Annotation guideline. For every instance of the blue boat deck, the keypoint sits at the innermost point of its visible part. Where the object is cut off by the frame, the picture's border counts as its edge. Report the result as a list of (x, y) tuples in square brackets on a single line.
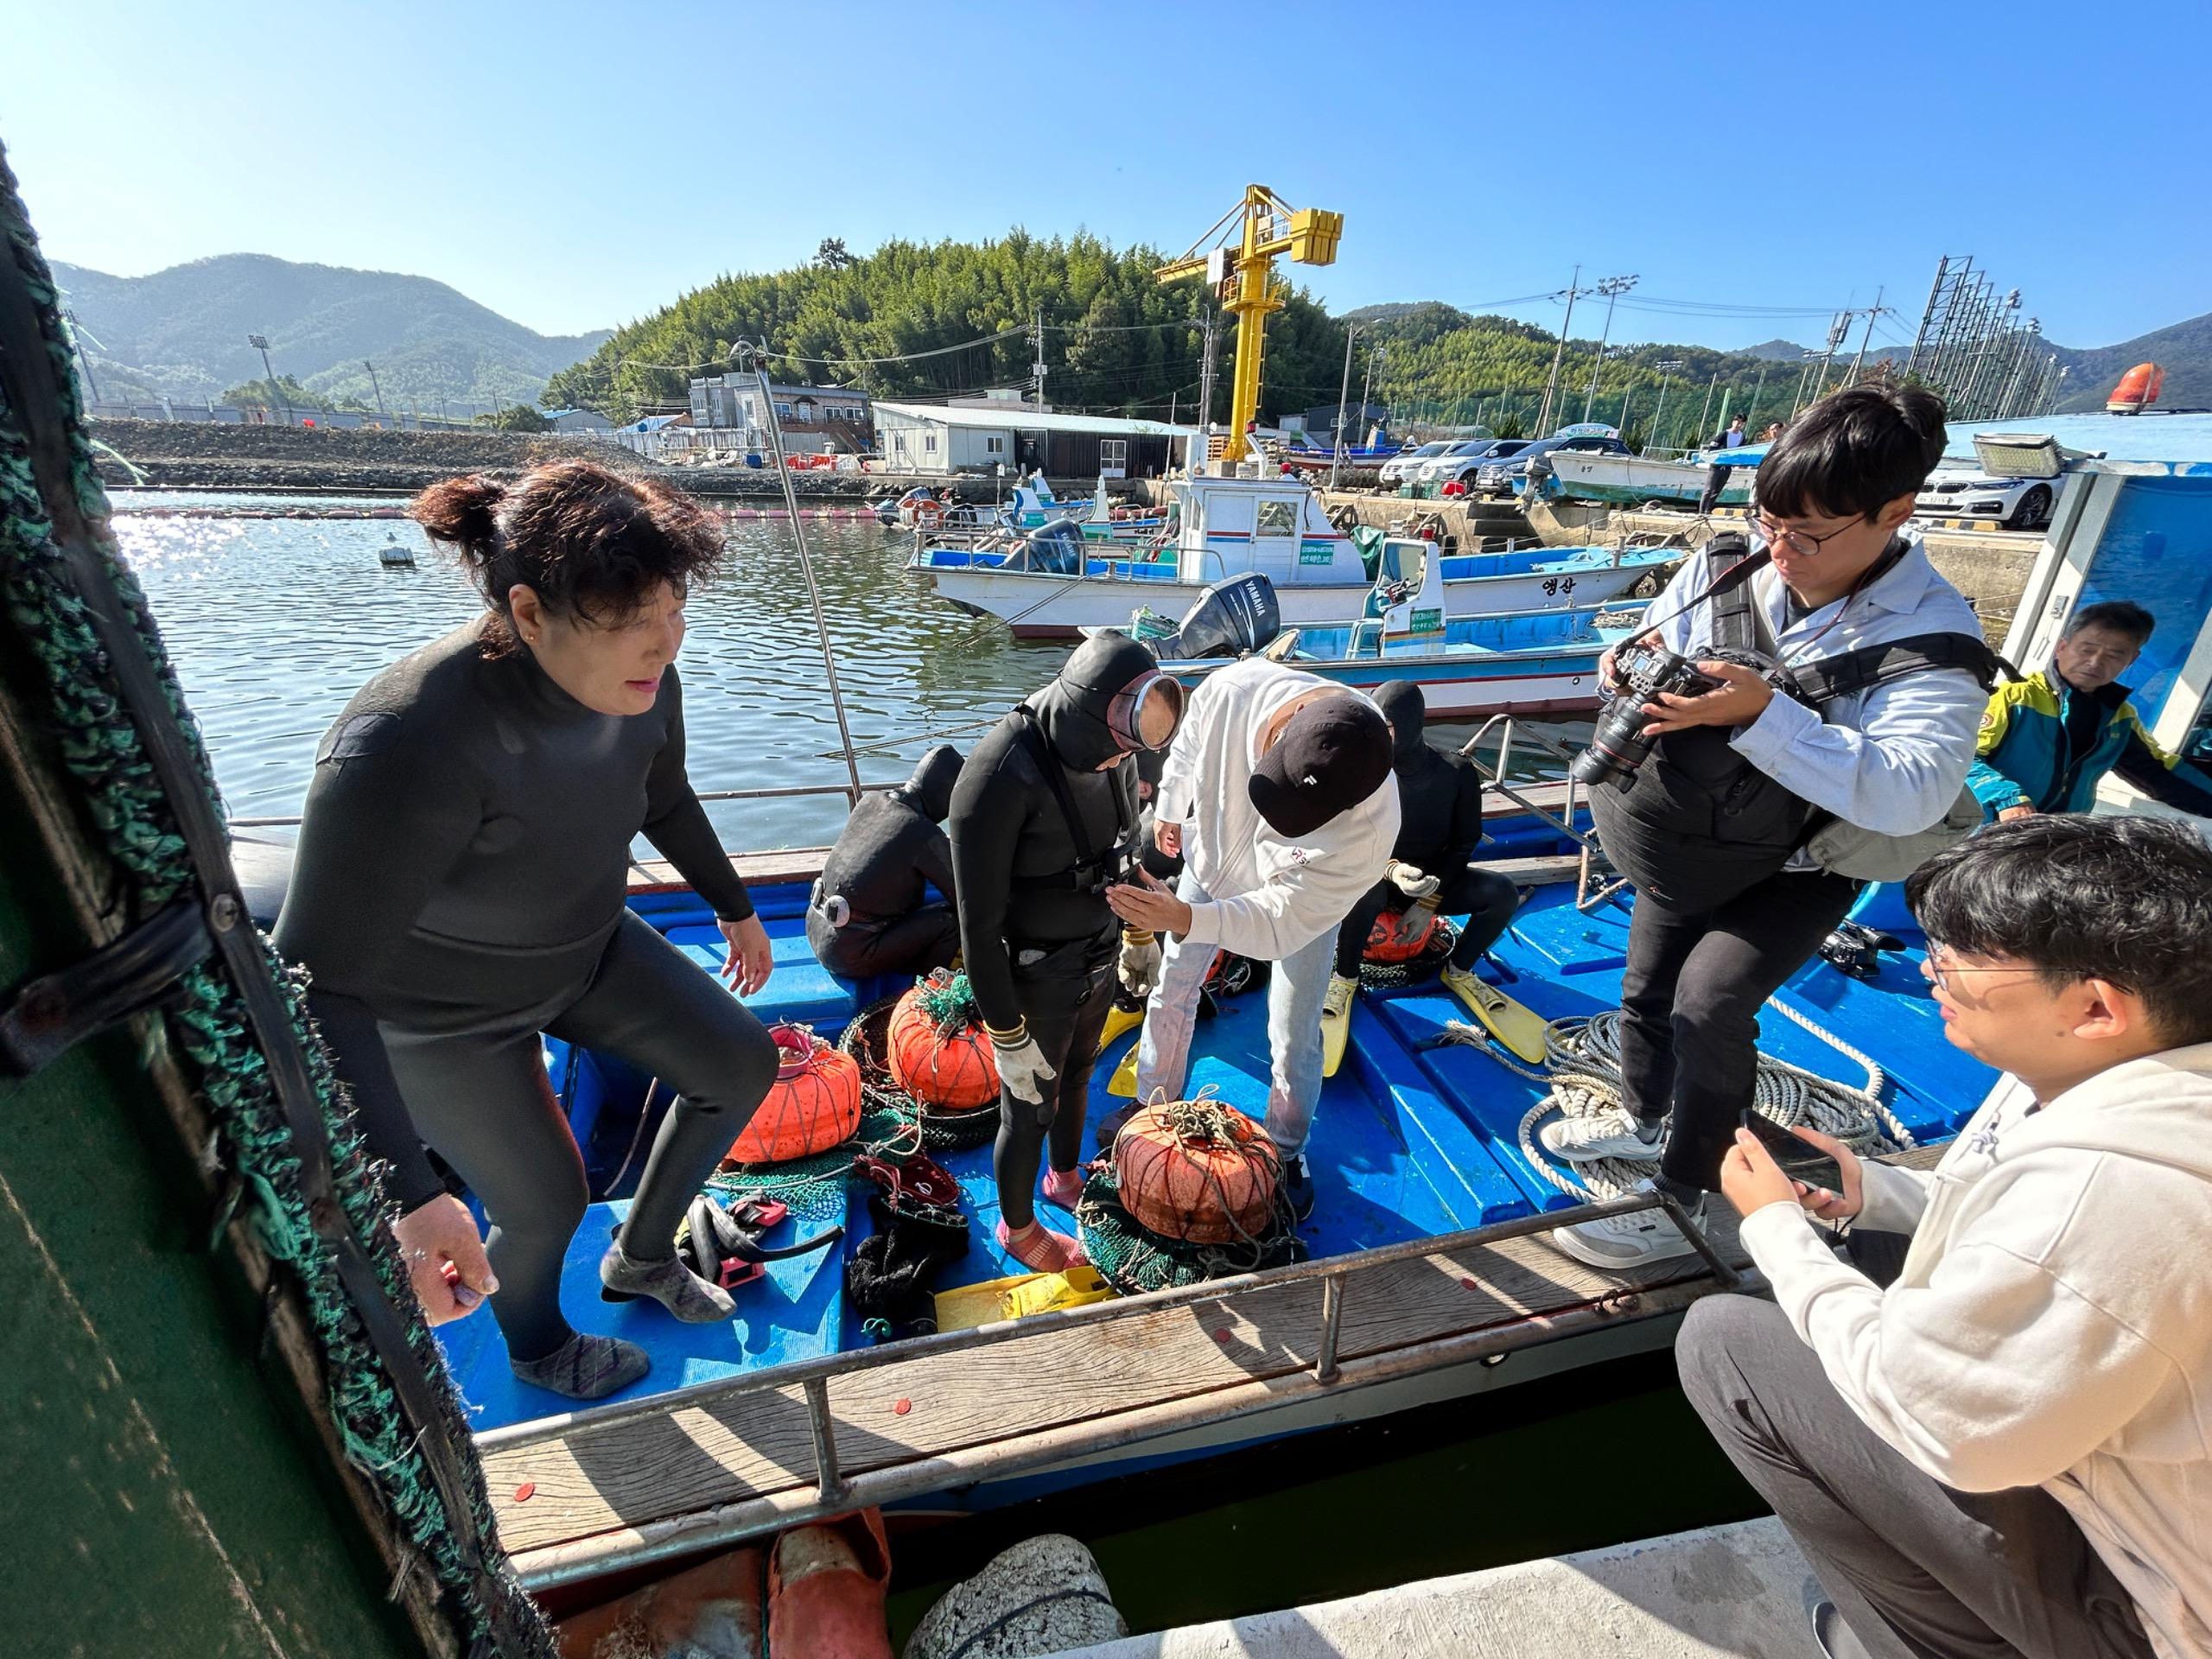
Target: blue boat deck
[(1409, 1141)]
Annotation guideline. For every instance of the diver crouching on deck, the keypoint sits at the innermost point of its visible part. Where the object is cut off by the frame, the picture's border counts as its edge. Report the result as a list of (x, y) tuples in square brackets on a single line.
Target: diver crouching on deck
[(1043, 819), (869, 913), (1278, 793), (1823, 740), (462, 887)]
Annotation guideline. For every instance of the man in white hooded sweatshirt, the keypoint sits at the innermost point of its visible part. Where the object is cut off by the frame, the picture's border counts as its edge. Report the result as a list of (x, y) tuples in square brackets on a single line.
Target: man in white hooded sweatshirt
[(2008, 1450)]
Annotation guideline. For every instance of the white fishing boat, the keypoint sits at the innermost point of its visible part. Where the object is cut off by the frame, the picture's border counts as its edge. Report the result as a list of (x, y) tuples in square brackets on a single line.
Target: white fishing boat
[(1633, 481), (1054, 583)]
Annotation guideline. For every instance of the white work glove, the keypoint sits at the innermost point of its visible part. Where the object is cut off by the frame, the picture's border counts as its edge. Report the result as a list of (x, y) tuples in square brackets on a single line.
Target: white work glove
[(1412, 880), (1139, 968), (1023, 1070)]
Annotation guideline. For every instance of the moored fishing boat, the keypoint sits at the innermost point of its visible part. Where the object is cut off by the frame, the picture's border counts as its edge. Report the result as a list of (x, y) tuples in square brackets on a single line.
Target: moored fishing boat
[(1226, 526), (1631, 480)]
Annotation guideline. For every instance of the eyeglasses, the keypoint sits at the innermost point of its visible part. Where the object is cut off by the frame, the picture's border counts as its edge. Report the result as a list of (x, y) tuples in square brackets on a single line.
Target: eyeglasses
[(1940, 977), (1797, 541)]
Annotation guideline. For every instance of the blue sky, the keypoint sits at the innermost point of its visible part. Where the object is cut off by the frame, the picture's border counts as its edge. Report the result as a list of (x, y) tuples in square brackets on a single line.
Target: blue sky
[(577, 165)]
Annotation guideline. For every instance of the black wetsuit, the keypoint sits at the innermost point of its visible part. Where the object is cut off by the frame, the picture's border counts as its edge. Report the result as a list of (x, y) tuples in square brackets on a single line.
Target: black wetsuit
[(891, 846), (1040, 939), (460, 887), (1441, 820)]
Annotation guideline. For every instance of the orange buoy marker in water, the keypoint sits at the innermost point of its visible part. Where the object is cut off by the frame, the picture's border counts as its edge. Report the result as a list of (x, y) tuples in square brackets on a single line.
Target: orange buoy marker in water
[(938, 1051), (813, 1105), (1197, 1170), (1384, 945)]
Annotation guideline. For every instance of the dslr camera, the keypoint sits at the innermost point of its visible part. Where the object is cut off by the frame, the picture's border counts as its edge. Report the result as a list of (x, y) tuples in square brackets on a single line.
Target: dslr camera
[(1619, 746)]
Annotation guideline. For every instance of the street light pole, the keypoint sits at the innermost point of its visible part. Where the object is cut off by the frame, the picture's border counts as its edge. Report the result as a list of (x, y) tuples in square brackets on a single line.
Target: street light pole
[(374, 387), (1574, 289), (260, 343), (1613, 288)]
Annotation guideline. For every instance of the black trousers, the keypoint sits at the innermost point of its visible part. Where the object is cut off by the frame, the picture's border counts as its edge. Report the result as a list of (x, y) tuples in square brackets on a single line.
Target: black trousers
[(1064, 999), (913, 943), (1716, 479), (481, 1098), (1917, 1571), (1486, 898), (1690, 1000)]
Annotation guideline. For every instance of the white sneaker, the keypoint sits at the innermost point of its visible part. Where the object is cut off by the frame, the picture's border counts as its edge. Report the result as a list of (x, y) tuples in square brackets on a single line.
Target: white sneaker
[(1619, 1243), (1603, 1135)]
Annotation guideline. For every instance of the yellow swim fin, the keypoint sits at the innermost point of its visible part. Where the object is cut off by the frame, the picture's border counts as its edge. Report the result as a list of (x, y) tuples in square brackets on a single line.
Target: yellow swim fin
[(1124, 1081), (1120, 1020), (1336, 1023), (1520, 1028)]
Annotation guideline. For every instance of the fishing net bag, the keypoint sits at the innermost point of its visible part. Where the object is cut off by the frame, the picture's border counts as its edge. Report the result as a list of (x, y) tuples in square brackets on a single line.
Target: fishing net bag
[(920, 1124), (1386, 965)]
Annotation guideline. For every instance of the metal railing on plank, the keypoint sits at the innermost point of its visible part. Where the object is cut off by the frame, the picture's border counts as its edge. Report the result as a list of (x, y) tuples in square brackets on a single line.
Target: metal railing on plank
[(830, 1490)]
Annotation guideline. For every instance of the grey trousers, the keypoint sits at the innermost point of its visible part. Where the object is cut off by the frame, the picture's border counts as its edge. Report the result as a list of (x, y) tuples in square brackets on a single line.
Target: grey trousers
[(1917, 1571)]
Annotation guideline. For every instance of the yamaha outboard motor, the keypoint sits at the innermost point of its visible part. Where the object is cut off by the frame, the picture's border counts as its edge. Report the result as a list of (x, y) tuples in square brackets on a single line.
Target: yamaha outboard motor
[(1231, 618), (1056, 549)]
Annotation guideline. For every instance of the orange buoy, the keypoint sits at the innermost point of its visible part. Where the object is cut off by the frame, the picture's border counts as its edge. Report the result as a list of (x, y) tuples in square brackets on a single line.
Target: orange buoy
[(938, 1051), (1197, 1170), (1383, 944), (2137, 391), (814, 1103)]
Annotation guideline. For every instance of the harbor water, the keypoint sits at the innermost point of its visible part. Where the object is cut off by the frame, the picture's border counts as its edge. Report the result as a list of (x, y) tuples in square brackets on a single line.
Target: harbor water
[(273, 625)]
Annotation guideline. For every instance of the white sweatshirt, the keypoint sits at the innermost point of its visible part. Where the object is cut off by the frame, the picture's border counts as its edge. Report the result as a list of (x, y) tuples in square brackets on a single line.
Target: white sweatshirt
[(2053, 1323), (1268, 897)]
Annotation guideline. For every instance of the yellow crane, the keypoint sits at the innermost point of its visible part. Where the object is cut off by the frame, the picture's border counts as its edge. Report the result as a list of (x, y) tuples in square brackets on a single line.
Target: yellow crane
[(1243, 272)]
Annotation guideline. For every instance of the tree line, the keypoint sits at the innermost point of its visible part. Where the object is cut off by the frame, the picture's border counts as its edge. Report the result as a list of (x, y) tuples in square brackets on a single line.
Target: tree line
[(902, 323)]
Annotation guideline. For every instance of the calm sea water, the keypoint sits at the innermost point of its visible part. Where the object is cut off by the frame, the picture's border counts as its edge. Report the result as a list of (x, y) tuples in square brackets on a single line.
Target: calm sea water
[(274, 624)]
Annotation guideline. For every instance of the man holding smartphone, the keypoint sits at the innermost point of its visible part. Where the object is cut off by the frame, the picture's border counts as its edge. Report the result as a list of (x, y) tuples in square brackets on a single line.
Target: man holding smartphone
[(2008, 1449)]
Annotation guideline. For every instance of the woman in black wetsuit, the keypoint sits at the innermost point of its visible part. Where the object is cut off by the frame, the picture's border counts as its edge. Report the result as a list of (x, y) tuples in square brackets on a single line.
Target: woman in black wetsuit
[(459, 888), (1043, 819)]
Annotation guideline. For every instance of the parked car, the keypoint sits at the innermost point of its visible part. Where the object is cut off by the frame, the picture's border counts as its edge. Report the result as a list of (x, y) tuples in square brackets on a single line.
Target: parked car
[(1399, 468), (1496, 477), (1465, 467), (1442, 465), (1963, 493)]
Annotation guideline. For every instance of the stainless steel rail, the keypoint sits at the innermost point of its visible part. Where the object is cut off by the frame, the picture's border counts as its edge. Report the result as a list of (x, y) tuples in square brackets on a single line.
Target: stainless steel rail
[(832, 1490)]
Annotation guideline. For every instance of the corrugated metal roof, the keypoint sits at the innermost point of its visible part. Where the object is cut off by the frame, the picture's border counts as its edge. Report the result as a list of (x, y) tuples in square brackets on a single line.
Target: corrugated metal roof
[(1017, 417)]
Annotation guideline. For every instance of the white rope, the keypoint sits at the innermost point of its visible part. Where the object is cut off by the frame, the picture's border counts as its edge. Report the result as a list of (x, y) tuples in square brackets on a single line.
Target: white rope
[(1582, 1075)]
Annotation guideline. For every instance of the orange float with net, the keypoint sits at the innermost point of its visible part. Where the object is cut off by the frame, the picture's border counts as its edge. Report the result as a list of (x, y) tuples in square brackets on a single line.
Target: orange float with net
[(1197, 1171), (1383, 944), (814, 1103), (937, 1049)]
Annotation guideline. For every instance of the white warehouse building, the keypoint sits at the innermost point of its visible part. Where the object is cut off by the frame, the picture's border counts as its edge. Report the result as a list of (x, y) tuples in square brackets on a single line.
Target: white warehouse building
[(983, 436)]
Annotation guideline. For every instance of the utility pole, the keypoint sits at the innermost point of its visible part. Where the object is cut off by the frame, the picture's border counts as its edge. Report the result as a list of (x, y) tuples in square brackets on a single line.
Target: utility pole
[(374, 387), (1672, 366), (1037, 367), (260, 343), (1206, 395), (1613, 288), (1837, 330), (1752, 410), (1559, 350), (1336, 448), (1367, 387), (1698, 437), (1872, 312)]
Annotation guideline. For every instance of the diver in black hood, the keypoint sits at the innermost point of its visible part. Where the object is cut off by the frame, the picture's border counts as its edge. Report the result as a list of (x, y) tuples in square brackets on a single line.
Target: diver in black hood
[(1441, 819), (868, 914), (1044, 818)]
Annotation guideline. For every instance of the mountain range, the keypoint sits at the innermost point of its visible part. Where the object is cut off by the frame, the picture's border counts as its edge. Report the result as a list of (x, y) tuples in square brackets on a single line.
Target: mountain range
[(181, 333)]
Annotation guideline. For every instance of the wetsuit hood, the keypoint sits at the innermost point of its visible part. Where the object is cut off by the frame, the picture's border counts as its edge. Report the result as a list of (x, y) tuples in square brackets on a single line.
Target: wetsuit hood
[(1404, 706), (930, 787), (1087, 712)]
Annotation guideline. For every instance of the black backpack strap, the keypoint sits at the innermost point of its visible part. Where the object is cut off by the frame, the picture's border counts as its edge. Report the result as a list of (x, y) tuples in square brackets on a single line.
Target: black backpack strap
[(1854, 672), (1735, 615)]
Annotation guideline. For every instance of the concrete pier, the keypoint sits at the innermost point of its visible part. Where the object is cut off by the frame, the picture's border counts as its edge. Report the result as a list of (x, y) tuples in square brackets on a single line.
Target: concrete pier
[(1740, 1592)]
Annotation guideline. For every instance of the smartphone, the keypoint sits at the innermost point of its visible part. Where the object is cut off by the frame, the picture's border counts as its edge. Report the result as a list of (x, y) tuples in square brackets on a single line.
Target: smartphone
[(1800, 1159)]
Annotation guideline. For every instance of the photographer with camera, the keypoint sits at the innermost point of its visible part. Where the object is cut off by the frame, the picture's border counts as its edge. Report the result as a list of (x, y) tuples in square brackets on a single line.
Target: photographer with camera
[(1800, 719)]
